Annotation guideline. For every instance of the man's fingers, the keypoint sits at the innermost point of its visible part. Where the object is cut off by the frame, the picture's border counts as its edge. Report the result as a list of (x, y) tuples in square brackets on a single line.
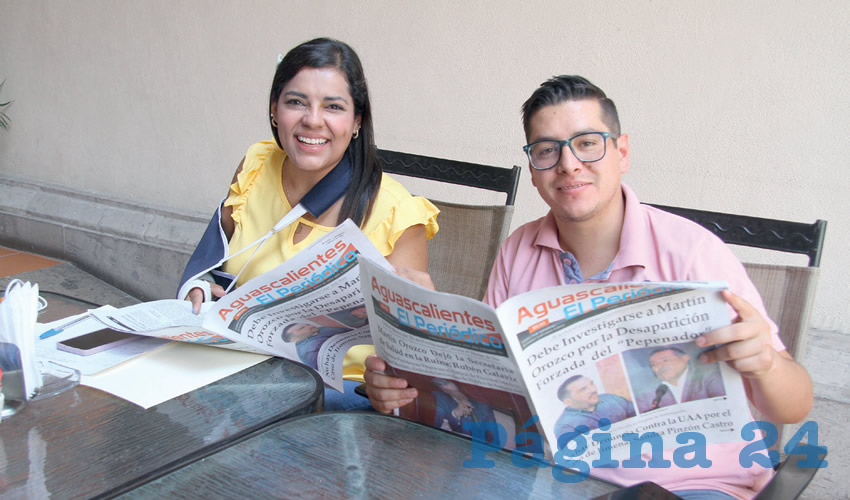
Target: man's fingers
[(744, 309), (720, 336)]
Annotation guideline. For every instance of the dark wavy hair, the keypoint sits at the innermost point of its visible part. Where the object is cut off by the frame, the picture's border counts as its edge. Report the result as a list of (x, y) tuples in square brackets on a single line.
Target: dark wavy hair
[(365, 170), (570, 88)]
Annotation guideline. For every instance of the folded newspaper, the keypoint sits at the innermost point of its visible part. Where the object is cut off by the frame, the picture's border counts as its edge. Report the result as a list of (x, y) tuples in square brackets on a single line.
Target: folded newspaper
[(573, 356), (308, 309)]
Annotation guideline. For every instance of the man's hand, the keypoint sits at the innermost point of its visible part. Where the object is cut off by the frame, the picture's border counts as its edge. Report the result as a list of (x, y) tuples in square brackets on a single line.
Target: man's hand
[(197, 296), (745, 344), (463, 409), (386, 393)]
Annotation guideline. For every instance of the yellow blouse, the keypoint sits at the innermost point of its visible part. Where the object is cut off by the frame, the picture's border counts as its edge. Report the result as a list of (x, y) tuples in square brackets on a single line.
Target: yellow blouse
[(258, 202)]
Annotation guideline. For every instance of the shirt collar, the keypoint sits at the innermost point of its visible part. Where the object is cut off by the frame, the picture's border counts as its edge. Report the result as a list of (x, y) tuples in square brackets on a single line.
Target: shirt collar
[(636, 245), (635, 238), (547, 233)]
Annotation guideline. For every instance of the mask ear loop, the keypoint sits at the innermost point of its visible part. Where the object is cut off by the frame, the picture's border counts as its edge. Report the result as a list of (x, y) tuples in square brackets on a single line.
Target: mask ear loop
[(287, 219), (15, 283)]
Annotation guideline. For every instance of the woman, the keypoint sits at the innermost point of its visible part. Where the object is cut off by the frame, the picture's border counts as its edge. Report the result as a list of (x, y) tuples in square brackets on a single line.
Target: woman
[(319, 111)]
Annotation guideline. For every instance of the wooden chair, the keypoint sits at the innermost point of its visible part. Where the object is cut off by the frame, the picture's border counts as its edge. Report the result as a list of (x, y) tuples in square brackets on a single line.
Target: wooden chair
[(461, 255), (788, 293)]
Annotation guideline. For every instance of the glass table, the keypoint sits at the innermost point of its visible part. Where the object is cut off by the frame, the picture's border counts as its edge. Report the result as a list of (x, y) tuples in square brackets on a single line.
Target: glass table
[(85, 443), (360, 455)]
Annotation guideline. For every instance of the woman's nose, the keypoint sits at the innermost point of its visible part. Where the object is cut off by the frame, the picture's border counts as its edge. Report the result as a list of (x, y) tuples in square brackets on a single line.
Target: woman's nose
[(312, 117)]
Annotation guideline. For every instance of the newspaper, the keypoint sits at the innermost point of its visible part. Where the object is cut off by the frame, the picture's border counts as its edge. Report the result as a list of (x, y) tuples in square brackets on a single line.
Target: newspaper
[(308, 309), (609, 345)]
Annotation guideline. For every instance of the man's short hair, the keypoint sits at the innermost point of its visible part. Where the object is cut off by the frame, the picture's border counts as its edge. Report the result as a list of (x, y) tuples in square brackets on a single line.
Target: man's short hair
[(286, 334), (662, 349), (442, 383), (563, 392), (569, 88)]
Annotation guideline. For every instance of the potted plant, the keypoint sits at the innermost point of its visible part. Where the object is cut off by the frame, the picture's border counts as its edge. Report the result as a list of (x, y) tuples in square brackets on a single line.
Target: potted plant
[(4, 118)]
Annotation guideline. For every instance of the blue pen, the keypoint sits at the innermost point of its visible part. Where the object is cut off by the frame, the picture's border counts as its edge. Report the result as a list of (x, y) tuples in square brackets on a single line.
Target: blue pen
[(61, 328)]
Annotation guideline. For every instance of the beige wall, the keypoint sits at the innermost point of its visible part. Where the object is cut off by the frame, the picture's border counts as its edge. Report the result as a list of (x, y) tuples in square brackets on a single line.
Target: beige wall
[(730, 106)]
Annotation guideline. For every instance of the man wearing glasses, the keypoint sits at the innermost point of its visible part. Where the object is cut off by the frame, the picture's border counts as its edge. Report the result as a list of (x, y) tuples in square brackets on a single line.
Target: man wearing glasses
[(597, 231)]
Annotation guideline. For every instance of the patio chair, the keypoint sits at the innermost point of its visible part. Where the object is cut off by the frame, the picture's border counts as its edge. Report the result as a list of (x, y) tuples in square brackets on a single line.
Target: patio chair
[(788, 293), (461, 254)]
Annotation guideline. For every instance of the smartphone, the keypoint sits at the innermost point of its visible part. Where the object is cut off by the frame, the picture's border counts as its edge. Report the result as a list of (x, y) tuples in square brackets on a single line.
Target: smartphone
[(94, 342)]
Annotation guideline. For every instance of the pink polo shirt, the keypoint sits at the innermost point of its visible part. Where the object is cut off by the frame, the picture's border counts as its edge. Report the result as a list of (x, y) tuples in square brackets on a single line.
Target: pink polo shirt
[(654, 246)]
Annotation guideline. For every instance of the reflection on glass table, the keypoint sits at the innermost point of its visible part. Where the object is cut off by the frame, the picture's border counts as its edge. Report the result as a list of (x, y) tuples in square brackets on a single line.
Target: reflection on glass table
[(361, 455)]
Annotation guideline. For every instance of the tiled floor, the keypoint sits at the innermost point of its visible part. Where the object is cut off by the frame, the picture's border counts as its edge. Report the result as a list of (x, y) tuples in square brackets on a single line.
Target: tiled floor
[(15, 262), (59, 277)]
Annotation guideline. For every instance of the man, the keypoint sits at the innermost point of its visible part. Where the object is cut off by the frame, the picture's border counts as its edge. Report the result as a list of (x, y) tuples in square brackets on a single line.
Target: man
[(597, 231), (353, 318), (455, 408), (680, 381), (585, 406), (309, 339)]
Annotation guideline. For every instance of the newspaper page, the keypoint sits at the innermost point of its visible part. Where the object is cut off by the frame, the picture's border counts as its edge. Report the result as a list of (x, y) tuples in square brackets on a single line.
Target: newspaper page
[(308, 309), (624, 352), (578, 355), (158, 319), (450, 348)]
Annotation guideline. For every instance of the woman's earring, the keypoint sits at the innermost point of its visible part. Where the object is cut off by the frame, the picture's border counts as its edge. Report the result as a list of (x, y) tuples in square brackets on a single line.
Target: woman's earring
[(274, 122), (355, 134)]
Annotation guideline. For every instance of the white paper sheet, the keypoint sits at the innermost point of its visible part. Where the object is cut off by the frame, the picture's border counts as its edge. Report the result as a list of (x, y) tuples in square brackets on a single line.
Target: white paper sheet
[(170, 371)]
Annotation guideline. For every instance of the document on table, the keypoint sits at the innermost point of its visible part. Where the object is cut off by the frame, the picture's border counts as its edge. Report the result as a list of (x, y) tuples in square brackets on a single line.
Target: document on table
[(171, 371)]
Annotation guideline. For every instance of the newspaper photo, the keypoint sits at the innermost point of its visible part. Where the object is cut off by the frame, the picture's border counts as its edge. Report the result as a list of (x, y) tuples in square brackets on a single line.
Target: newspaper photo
[(618, 358), (624, 352), (450, 348), (309, 309)]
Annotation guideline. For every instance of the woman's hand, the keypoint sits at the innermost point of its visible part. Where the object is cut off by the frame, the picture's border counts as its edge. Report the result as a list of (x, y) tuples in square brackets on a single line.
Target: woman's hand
[(410, 256), (419, 277), (196, 296), (386, 393)]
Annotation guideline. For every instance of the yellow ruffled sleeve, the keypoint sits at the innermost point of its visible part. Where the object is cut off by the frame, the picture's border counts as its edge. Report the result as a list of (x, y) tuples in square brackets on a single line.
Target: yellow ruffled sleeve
[(409, 211), (246, 179)]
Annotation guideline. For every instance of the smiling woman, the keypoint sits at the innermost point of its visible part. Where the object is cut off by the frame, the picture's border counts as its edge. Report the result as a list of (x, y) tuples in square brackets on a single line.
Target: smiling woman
[(319, 112)]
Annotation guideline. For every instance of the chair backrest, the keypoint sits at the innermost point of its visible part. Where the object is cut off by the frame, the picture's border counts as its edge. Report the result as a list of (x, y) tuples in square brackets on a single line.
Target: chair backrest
[(770, 234), (787, 291), (461, 254)]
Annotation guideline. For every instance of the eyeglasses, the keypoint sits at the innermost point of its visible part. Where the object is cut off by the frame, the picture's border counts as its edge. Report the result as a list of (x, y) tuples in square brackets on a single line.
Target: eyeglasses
[(587, 147)]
